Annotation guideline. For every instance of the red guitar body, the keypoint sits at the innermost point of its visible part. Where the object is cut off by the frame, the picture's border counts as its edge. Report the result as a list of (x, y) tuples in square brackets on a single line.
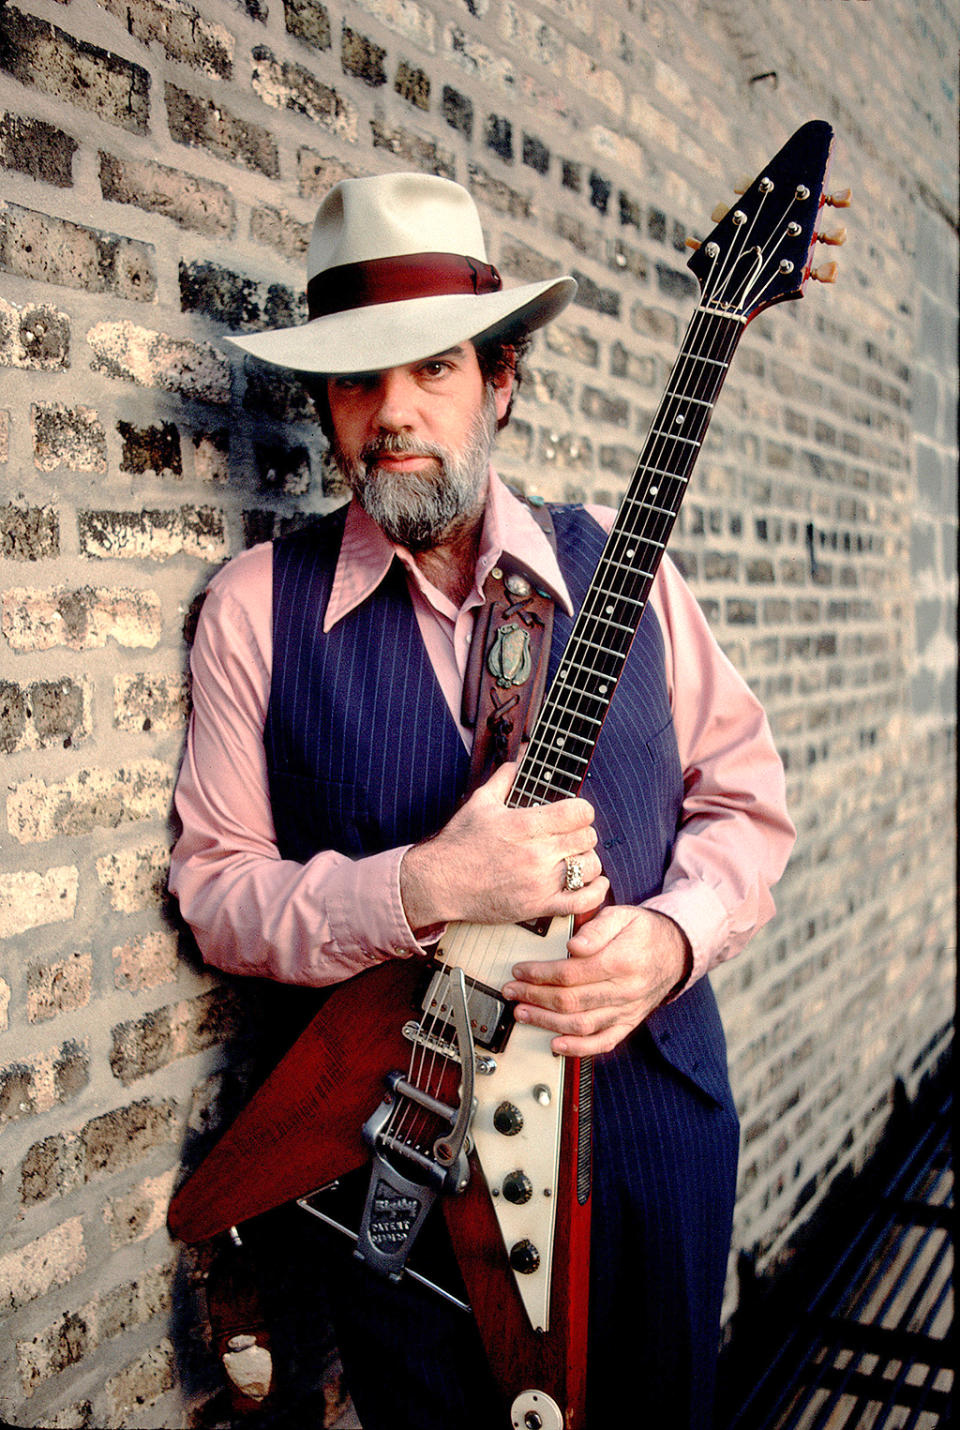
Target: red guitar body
[(302, 1130)]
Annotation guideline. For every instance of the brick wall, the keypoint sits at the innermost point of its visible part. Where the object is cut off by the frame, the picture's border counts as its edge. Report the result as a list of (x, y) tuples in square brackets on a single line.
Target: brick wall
[(159, 168)]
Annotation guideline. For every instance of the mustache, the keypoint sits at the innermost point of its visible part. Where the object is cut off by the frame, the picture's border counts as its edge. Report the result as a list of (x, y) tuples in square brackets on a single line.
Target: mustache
[(399, 444)]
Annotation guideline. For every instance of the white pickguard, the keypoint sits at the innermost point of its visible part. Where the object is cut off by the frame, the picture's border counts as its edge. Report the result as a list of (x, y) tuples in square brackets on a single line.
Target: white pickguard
[(530, 1077)]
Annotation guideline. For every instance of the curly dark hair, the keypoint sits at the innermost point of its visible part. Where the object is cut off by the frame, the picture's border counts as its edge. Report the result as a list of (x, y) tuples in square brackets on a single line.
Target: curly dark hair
[(497, 353)]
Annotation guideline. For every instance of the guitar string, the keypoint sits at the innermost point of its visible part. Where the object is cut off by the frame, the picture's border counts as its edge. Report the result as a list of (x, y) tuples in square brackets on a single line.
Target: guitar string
[(637, 498), (654, 459), (661, 522)]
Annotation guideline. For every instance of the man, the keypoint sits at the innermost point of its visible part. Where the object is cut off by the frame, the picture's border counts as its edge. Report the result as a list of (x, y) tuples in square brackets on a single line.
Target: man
[(323, 829)]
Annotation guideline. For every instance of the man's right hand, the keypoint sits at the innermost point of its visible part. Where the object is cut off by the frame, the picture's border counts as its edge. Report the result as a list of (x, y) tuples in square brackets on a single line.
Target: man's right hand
[(491, 864)]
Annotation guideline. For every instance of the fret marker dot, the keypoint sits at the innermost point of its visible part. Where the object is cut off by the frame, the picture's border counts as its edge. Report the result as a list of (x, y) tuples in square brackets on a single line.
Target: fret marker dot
[(559, 740), (653, 491), (602, 689), (679, 418), (631, 551), (609, 611)]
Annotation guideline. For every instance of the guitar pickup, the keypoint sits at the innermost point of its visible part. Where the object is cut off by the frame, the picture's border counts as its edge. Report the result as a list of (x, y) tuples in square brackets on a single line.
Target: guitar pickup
[(491, 1017)]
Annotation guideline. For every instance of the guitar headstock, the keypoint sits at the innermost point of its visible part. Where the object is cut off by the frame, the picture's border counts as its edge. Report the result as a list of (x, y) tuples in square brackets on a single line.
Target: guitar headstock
[(761, 250)]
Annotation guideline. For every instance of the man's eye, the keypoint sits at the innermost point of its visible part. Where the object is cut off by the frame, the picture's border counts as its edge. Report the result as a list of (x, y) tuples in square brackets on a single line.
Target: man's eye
[(435, 369), (351, 381)]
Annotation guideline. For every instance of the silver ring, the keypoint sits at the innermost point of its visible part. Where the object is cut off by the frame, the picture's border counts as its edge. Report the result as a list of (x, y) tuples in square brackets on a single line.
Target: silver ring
[(573, 877)]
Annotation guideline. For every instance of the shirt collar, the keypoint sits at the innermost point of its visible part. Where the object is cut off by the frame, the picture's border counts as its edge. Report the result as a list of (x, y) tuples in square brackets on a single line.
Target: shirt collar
[(509, 530)]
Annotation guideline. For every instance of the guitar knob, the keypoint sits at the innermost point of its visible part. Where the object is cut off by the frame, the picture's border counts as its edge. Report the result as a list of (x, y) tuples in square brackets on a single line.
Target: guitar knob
[(826, 273), (720, 212), (842, 199), (524, 1257), (517, 1188), (508, 1119), (834, 239)]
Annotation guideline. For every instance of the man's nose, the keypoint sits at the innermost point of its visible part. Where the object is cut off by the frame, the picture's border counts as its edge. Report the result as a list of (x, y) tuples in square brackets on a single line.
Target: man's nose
[(395, 407)]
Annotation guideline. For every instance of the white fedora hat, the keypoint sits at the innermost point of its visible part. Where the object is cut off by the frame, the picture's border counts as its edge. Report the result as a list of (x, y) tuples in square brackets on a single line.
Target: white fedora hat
[(397, 271)]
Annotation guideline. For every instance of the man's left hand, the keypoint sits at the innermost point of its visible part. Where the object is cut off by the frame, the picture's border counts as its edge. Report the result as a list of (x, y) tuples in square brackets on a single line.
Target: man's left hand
[(623, 963)]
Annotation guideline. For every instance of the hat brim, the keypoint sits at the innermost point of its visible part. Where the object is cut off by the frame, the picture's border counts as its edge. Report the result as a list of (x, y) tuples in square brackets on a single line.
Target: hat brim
[(391, 334)]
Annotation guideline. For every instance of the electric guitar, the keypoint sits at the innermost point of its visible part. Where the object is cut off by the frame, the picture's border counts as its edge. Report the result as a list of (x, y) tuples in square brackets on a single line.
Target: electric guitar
[(422, 1075)]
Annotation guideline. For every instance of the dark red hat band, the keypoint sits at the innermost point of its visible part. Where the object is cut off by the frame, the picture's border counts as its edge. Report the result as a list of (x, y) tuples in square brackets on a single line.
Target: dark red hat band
[(390, 280)]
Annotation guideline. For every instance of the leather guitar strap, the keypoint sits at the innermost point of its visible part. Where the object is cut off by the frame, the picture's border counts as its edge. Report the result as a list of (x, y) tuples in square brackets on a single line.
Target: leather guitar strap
[(507, 670)]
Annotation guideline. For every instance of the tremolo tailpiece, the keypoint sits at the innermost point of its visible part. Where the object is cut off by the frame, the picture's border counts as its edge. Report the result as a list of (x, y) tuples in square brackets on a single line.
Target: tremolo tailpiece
[(397, 1204)]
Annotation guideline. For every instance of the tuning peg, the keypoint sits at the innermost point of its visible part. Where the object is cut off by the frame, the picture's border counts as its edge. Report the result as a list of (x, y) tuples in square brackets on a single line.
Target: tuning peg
[(720, 212), (742, 184), (694, 243), (842, 199), (834, 239), (826, 273)]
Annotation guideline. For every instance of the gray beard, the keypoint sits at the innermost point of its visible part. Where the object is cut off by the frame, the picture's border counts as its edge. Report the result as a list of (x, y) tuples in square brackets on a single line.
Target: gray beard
[(419, 509)]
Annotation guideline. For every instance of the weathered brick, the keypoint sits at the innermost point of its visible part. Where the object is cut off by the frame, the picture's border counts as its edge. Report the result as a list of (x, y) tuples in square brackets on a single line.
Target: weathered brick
[(52, 250), (147, 962), (51, 1168), (33, 147), (83, 619), (413, 85), (149, 702), (527, 34), (4, 1004), (142, 1045), (457, 110), (602, 407), (280, 230), (35, 337), (594, 296), (190, 202), (654, 323), (228, 297), (157, 535), (56, 1348), (283, 85), (497, 195), (316, 173), (211, 456), (117, 1139), (150, 449), (135, 878), (29, 899), (201, 124), (182, 31), (638, 368), (141, 1383), (415, 22), (68, 437), (282, 468), (136, 1214), (29, 533), (51, 1260), (309, 21), (414, 149), (38, 810), (594, 80), (150, 359), (58, 987), (362, 57), (36, 1084), (498, 136), (37, 53)]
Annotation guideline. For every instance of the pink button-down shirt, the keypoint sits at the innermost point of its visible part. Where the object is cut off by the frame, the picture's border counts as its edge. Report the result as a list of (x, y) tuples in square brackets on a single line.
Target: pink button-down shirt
[(323, 921)]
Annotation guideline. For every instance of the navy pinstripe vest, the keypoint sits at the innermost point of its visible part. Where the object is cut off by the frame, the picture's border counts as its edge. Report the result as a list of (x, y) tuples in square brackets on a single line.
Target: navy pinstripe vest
[(363, 754)]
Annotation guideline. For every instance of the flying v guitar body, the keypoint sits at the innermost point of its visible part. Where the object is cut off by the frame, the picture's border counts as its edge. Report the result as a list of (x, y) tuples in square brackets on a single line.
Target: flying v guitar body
[(520, 1228)]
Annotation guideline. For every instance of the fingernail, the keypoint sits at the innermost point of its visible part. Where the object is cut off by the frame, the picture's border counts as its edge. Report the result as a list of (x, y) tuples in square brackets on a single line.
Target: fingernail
[(511, 991)]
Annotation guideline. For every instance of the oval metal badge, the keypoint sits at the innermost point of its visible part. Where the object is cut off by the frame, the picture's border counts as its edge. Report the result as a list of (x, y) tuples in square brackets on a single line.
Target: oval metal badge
[(509, 661)]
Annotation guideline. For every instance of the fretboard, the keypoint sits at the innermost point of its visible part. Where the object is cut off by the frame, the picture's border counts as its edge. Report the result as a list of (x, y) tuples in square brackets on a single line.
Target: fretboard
[(565, 733)]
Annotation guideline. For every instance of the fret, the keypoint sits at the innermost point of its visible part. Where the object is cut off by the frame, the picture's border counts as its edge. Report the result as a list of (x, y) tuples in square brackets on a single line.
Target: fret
[(660, 472), (596, 645), (626, 566), (698, 357), (647, 506), (684, 397), (589, 719), (603, 619), (674, 436)]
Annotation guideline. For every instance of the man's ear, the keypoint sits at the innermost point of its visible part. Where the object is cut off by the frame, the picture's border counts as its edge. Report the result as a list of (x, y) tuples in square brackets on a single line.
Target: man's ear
[(503, 384)]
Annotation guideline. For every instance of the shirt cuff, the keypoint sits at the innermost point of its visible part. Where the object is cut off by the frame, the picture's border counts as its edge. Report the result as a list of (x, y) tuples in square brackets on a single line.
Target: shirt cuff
[(700, 912), (366, 915)]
